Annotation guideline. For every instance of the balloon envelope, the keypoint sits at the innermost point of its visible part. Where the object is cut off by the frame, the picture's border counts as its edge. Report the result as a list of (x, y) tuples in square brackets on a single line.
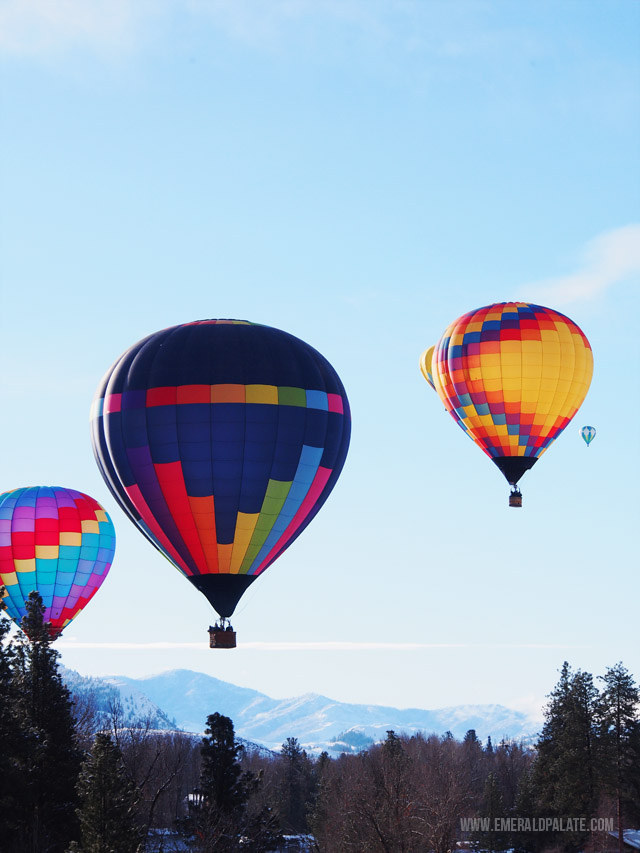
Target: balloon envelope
[(58, 542), (425, 365), (513, 374), (221, 439), (588, 433)]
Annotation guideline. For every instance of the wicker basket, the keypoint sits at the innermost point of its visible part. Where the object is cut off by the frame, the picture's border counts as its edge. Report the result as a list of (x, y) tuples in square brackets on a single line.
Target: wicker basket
[(515, 498), (219, 639)]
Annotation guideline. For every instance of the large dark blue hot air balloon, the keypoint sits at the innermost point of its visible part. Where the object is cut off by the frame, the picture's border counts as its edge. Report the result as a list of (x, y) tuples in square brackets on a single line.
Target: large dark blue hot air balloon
[(221, 439)]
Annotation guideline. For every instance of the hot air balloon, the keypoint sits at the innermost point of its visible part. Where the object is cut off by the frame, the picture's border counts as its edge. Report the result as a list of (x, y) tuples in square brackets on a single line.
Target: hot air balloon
[(588, 433), (221, 440), (425, 365), (512, 374), (58, 542)]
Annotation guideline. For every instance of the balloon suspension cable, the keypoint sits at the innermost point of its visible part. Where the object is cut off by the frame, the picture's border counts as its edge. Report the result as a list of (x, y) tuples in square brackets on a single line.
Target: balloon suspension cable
[(222, 635)]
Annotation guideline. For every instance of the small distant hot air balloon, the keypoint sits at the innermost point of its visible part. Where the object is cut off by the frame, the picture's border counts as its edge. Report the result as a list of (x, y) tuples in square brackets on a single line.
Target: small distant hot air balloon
[(58, 542), (513, 375), (221, 440), (588, 433)]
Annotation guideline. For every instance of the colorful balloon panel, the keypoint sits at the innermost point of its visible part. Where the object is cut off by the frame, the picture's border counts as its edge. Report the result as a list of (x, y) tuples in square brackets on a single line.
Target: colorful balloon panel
[(513, 374), (56, 541), (221, 439), (588, 433)]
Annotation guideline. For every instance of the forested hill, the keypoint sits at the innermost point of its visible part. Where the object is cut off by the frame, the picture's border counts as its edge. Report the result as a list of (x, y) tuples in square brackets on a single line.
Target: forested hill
[(183, 699)]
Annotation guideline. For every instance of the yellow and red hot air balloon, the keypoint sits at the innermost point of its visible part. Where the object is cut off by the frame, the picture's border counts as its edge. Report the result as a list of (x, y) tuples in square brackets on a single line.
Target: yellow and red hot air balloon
[(512, 375)]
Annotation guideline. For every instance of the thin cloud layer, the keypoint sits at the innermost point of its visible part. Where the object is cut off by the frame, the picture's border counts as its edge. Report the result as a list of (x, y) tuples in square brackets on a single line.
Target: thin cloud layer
[(41, 28), (46, 27), (330, 646), (610, 259)]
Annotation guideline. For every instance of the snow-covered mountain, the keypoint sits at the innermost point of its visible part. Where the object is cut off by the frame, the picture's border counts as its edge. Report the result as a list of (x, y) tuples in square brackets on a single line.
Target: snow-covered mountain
[(127, 703), (117, 703), (184, 699)]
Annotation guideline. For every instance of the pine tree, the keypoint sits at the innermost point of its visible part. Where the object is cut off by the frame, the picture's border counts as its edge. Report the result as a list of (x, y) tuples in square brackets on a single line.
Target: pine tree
[(294, 789), (620, 743), (222, 781), (318, 813), (222, 818), (492, 809), (473, 756), (108, 797), (49, 760), (526, 806), (565, 770), (11, 734)]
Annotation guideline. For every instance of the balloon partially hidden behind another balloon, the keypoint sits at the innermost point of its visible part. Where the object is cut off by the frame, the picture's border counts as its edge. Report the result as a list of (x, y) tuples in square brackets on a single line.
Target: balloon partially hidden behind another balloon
[(425, 365)]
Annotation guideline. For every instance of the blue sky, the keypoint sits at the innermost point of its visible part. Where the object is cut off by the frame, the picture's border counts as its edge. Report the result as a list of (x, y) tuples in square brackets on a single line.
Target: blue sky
[(358, 173)]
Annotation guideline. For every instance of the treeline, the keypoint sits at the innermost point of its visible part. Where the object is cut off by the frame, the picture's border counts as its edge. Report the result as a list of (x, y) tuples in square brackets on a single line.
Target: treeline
[(77, 779)]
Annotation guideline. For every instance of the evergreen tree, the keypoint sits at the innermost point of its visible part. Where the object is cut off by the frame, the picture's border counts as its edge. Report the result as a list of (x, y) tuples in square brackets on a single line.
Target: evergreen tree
[(222, 821), (222, 782), (11, 733), (526, 806), (49, 760), (296, 793), (620, 743), (107, 815), (473, 759), (565, 770), (492, 839), (322, 763), (317, 813)]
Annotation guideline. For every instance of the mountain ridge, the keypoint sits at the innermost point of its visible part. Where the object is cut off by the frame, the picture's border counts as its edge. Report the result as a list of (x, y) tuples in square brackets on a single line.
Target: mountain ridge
[(318, 722)]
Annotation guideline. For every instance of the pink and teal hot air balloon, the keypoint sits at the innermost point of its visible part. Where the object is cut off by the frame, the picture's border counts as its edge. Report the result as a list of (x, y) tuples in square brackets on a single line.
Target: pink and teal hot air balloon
[(58, 542)]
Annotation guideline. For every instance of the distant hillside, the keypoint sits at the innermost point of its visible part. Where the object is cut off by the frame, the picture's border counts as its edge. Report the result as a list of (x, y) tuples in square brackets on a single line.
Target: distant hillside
[(133, 705), (135, 708), (183, 699)]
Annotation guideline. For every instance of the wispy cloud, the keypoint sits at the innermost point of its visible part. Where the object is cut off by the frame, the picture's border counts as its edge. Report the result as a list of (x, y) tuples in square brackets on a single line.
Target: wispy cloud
[(263, 21), (321, 646), (609, 259), (42, 27), (36, 27)]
